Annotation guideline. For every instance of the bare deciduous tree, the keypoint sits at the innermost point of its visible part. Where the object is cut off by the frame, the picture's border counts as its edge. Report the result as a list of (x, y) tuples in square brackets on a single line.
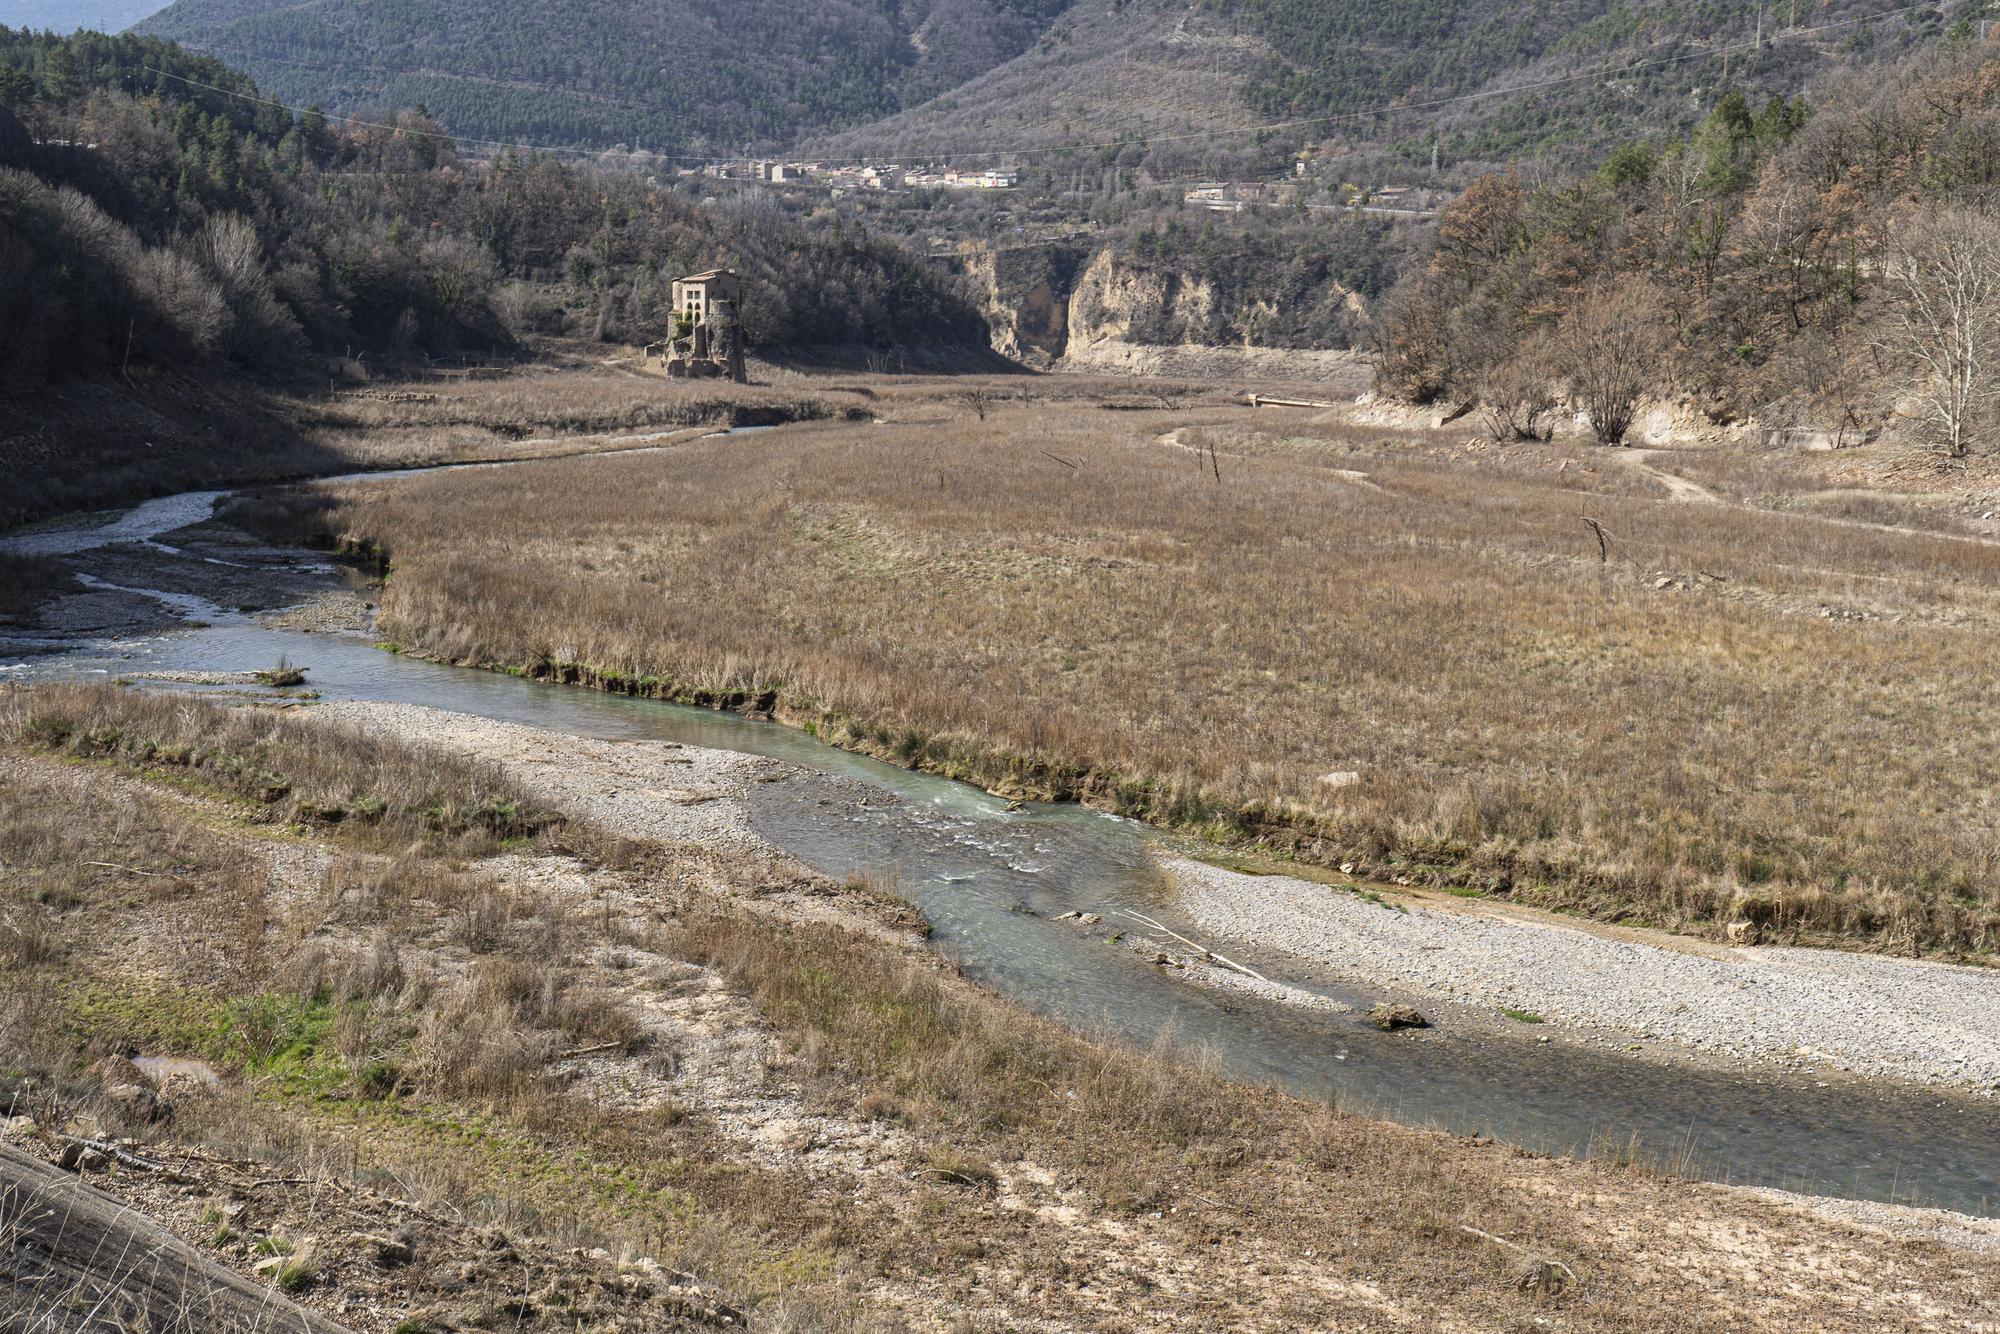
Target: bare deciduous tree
[(1943, 274), (1517, 397), (1413, 344), (261, 329), (1610, 346)]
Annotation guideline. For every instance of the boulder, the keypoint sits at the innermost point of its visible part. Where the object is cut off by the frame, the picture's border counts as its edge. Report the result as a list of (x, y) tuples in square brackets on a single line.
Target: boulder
[(1744, 932), (1388, 1016), (136, 1105)]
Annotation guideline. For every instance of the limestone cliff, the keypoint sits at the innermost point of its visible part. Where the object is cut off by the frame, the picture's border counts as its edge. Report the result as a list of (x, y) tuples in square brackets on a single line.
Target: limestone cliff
[(1091, 308)]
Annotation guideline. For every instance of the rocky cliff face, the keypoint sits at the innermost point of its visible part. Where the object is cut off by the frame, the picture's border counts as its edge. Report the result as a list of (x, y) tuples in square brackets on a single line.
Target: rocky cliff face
[(1078, 308), (1025, 293)]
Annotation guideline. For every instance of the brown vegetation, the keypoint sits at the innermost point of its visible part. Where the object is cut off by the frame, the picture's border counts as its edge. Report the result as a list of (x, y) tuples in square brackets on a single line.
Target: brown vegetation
[(281, 770), (1810, 265), (1737, 713), (540, 1068)]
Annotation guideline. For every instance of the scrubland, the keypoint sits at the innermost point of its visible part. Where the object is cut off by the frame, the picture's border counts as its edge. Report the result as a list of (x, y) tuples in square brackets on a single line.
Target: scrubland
[(510, 1039), (1402, 653), (88, 446), (537, 410)]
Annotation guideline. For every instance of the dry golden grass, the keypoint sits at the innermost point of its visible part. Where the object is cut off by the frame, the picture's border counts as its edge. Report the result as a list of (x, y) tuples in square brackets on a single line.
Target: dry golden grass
[(1738, 713), (363, 1038), (282, 770)]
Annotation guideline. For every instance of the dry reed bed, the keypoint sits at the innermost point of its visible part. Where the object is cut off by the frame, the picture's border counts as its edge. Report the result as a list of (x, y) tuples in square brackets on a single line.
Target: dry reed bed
[(394, 1020), (1114, 623), (281, 769)]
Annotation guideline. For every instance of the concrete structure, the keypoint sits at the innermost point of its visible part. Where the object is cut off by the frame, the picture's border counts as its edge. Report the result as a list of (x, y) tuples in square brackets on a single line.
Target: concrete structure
[(709, 307)]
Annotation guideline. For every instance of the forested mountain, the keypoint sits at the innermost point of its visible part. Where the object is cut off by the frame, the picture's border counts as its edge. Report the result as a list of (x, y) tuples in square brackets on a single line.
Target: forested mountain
[(154, 210), (1184, 86), (926, 77), (685, 76), (70, 15), (1338, 57)]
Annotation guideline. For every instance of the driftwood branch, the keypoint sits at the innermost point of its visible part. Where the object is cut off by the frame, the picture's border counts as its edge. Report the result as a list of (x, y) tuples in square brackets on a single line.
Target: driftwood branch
[(1058, 458), (1538, 1259), (110, 1150), (1603, 540), (1206, 952), (129, 870), (598, 1050)]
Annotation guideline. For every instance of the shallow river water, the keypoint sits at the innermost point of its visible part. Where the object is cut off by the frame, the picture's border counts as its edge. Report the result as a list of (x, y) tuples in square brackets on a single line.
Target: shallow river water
[(993, 880)]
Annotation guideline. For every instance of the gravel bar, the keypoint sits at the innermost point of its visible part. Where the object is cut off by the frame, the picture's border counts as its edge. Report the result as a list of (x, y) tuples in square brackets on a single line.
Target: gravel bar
[(1927, 1023)]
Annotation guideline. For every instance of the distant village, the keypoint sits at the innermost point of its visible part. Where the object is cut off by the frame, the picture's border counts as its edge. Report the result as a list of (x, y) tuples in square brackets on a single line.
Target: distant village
[(1215, 196), (854, 176)]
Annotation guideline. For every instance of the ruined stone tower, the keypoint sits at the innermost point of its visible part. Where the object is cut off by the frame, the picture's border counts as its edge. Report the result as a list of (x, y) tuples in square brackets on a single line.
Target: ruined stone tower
[(710, 306)]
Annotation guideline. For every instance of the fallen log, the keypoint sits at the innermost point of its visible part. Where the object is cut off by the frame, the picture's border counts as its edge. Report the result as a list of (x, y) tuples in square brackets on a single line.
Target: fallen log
[(1264, 401), (73, 1258)]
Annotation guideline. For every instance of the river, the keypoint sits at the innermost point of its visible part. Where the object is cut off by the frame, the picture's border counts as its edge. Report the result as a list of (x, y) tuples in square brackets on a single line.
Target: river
[(993, 880)]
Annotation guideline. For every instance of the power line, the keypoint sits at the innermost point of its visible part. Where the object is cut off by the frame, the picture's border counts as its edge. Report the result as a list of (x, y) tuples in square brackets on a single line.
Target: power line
[(1302, 122)]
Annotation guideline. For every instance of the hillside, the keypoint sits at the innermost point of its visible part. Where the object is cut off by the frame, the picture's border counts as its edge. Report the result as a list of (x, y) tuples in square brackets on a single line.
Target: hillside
[(172, 242), (1781, 265), (669, 75), (1106, 72), (1157, 76)]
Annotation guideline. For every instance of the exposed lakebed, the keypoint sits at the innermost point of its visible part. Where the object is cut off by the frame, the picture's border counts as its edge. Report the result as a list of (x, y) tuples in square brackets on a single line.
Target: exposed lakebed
[(994, 880)]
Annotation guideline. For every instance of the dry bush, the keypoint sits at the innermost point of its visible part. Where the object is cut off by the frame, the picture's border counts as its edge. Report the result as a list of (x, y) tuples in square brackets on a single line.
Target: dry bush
[(28, 938), (492, 1037), (465, 1047), (1517, 398), (1609, 347), (345, 973), (26, 580)]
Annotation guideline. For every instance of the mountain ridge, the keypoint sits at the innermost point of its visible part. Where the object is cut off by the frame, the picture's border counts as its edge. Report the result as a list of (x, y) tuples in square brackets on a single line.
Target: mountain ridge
[(1483, 80)]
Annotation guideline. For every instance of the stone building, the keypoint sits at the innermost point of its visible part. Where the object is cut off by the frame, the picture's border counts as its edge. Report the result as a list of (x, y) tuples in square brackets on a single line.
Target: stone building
[(708, 307)]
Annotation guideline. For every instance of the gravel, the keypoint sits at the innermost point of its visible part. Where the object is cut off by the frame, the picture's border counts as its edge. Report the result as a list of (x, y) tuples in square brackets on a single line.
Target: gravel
[(1923, 1022), (641, 789), (1960, 1231)]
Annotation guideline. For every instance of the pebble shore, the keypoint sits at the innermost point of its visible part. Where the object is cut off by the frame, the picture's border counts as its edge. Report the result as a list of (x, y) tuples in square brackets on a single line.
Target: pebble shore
[(1814, 1010)]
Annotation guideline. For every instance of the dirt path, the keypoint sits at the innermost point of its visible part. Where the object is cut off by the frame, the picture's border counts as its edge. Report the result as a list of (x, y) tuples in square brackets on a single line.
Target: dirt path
[(1677, 488), (1681, 490)]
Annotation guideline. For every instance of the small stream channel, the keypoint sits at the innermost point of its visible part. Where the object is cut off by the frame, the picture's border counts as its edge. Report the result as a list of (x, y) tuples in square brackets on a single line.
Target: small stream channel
[(993, 880)]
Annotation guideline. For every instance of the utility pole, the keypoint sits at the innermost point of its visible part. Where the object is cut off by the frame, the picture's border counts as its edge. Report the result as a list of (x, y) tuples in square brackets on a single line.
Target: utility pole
[(1434, 151)]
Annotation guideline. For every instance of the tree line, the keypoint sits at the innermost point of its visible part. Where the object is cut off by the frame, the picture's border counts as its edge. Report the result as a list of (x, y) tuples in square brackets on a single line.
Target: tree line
[(152, 211), (1796, 264)]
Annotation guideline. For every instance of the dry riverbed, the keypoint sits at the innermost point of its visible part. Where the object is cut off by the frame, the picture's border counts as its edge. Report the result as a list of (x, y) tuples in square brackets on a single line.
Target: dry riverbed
[(1817, 1011), (803, 1116)]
